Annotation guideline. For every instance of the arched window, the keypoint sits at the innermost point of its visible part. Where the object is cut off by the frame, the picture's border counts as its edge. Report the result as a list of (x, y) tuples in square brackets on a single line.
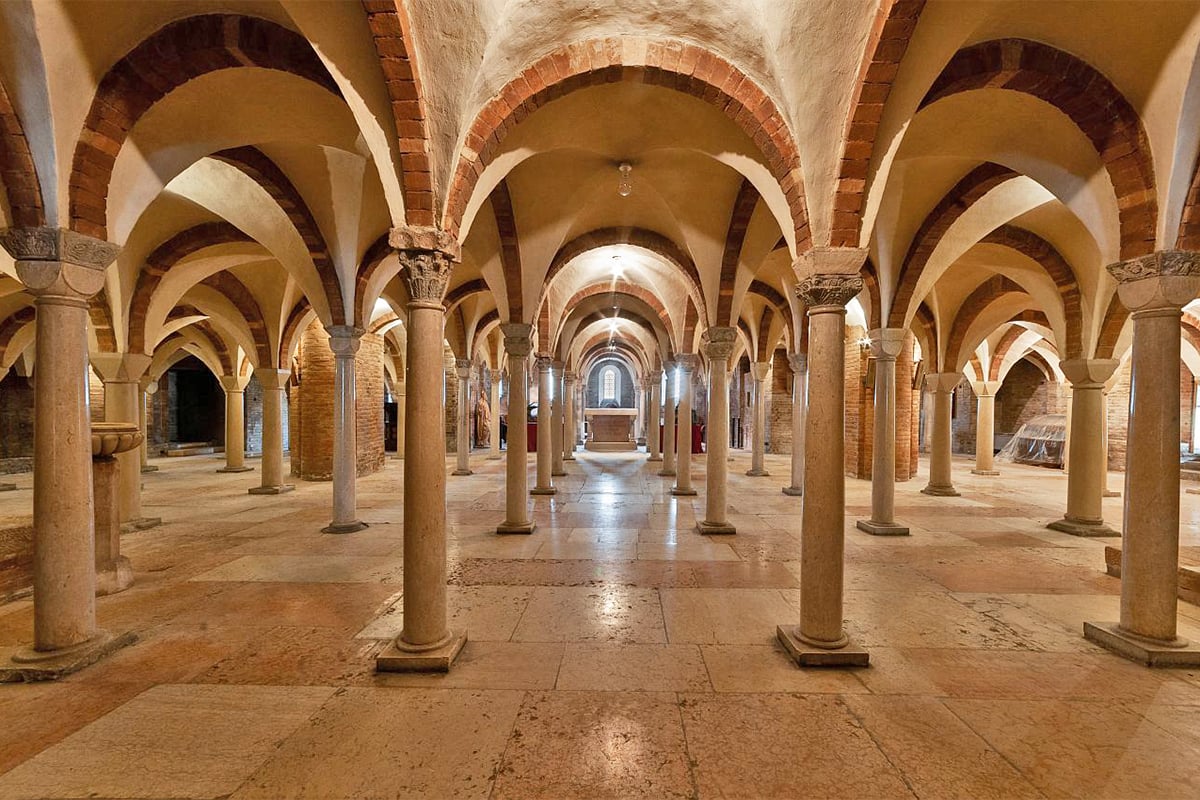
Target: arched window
[(609, 384)]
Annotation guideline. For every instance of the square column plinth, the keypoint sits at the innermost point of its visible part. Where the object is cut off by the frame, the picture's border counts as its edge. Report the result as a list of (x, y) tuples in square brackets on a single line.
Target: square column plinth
[(809, 655), (1144, 651), (32, 665), (437, 659)]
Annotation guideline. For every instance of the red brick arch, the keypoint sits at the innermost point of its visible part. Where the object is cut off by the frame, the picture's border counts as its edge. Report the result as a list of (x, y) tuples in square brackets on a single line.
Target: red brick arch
[(668, 63), (11, 326), (18, 170), (372, 262), (765, 348), (510, 251), (991, 291), (780, 304), (625, 288), (291, 330), (739, 222), (175, 54), (236, 293), (205, 330), (390, 32), (633, 351), (895, 21), (1115, 317), (1002, 347), (461, 292), (1092, 102)]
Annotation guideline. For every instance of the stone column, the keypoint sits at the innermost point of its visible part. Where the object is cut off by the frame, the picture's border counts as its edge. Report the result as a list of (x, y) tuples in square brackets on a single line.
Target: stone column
[(557, 421), (942, 386), (462, 368), (718, 346), (273, 382), (799, 365), (668, 433), (344, 341), (121, 373), (148, 388), (985, 426), (517, 344), (426, 643), (61, 269), (401, 395), (545, 439), (1106, 491), (494, 434), (758, 443), (683, 424), (653, 437), (569, 381), (1085, 482), (235, 423), (819, 639), (886, 345), (1154, 288), (114, 573)]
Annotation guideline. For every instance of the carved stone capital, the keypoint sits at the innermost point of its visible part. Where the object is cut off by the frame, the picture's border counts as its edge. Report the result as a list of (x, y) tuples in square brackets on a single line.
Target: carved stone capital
[(828, 291), (718, 343), (687, 363), (570, 378), (1088, 373), (544, 364), (120, 367), (344, 340), (759, 370), (518, 338), (887, 343), (56, 262), (830, 261), (798, 363), (462, 368), (1164, 279), (940, 382), (427, 256)]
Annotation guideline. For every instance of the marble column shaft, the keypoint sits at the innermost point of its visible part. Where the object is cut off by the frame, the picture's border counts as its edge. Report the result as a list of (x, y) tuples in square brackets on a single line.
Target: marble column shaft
[(146, 389), (683, 426), (570, 379), (654, 434), (344, 341), (886, 345), (668, 455), (545, 424), (942, 386), (1085, 481), (494, 433), (462, 368), (799, 365), (517, 344), (557, 420), (758, 443), (985, 426), (235, 424), (273, 382), (718, 346)]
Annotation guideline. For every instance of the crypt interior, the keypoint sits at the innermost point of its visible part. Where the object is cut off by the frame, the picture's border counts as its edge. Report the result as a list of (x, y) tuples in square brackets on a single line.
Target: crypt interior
[(630, 399)]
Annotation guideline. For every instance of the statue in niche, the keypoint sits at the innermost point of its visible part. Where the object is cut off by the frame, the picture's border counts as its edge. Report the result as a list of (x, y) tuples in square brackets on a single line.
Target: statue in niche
[(483, 422)]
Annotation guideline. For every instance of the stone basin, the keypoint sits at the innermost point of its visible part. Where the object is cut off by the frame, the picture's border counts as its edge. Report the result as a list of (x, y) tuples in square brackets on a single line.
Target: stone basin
[(110, 438)]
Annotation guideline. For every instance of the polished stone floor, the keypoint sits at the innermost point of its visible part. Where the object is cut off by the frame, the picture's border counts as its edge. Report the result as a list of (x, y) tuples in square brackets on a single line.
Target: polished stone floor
[(615, 653)]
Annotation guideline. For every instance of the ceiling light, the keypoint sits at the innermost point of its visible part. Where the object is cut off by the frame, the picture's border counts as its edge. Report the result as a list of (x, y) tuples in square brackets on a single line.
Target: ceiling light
[(625, 184)]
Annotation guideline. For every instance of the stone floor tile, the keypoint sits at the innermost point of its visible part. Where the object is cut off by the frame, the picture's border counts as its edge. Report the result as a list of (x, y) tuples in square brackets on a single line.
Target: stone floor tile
[(488, 665), (767, 668), (592, 614), (725, 616), (633, 668), (486, 613), (308, 569)]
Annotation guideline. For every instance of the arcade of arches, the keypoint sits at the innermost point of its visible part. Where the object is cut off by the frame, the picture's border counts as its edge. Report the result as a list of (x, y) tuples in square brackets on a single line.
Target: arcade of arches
[(556, 398)]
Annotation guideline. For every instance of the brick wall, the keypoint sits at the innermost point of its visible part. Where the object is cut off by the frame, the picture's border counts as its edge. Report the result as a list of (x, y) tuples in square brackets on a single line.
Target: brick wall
[(16, 423), (312, 400), (1025, 394), (95, 396), (779, 405), (254, 418), (963, 424), (860, 408), (626, 392), (451, 374)]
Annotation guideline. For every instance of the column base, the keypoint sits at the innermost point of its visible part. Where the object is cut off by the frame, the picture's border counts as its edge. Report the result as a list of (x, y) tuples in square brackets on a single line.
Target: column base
[(149, 468), (1150, 652), (543, 490), (654, 458), (519, 529), (32, 665), (1076, 528), (807, 654), (140, 524), (345, 527), (758, 473), (677, 492), (462, 472), (881, 528), (940, 491), (115, 579), (715, 528), (666, 473), (397, 658), (794, 491), (985, 472), (8, 487), (231, 469), (281, 489)]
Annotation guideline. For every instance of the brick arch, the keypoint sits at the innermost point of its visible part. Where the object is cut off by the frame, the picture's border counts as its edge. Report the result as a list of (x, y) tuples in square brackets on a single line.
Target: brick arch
[(870, 276), (101, 316), (625, 288), (925, 330), (989, 292), (597, 343), (205, 330), (1038, 360), (266, 173), (162, 259), (21, 184), (1035, 247), (1189, 223), (895, 21), (461, 292), (634, 237), (764, 332), (968, 191), (390, 32), (1092, 102), (175, 54), (777, 300), (1190, 330), (739, 222), (597, 316), (11, 326), (1115, 317), (669, 63), (368, 268), (510, 251), (291, 330), (1002, 347), (236, 293)]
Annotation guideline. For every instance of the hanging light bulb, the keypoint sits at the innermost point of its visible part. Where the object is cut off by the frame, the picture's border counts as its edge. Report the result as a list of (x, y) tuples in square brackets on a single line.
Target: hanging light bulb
[(625, 184)]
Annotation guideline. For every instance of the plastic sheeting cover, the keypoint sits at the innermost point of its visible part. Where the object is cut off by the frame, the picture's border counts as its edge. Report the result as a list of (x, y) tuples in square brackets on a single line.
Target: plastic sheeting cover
[(1040, 441)]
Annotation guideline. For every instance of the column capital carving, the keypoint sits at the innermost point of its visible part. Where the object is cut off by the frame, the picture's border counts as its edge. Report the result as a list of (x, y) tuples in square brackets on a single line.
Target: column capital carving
[(830, 261), (828, 292), (559, 366), (462, 368), (344, 340), (570, 377), (718, 343), (687, 362), (942, 382), (1161, 280), (518, 339), (56, 262), (1088, 373), (887, 343), (427, 256), (544, 364), (798, 362), (759, 370)]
